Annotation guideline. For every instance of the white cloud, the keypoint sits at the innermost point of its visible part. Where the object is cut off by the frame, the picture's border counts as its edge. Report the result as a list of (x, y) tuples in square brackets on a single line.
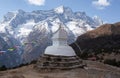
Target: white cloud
[(101, 4), (36, 2)]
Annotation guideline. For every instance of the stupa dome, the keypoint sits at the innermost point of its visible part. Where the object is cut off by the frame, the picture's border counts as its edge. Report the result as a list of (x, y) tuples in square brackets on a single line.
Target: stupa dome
[(60, 46)]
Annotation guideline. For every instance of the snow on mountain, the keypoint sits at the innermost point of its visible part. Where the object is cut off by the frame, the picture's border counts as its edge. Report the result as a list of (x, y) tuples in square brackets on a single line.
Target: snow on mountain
[(23, 30), (33, 29), (78, 27), (97, 20), (18, 22), (2, 28), (59, 9)]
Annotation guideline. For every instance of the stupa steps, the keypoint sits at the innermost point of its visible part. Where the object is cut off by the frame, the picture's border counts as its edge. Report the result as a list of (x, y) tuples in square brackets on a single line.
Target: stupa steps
[(62, 62), (53, 67), (59, 62), (54, 56), (49, 57)]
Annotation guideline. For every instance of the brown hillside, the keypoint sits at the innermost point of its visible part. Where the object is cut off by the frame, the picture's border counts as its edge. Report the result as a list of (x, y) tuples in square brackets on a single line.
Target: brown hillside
[(105, 39), (104, 30)]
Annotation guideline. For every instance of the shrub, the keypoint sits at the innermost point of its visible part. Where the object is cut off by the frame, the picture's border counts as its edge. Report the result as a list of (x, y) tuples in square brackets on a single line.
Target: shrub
[(3, 68), (111, 62)]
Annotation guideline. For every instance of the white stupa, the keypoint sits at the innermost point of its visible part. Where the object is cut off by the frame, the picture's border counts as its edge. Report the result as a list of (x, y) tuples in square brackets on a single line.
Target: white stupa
[(59, 55), (60, 46)]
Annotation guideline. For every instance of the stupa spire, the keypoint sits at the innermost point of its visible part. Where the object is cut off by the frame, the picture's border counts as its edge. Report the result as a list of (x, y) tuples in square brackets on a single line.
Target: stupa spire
[(60, 36)]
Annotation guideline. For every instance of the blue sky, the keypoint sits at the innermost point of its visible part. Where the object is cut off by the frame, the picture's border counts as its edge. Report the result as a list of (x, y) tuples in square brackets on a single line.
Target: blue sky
[(107, 10)]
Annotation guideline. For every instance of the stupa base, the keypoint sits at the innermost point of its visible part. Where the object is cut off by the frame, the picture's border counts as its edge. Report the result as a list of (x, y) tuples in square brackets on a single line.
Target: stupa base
[(51, 62)]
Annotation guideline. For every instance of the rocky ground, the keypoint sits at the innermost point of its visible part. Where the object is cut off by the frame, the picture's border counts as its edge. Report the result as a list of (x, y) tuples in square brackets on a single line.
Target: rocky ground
[(94, 70)]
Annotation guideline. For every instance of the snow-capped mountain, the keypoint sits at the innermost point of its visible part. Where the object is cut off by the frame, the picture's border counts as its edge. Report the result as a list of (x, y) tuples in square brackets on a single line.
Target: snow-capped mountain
[(35, 28), (20, 23)]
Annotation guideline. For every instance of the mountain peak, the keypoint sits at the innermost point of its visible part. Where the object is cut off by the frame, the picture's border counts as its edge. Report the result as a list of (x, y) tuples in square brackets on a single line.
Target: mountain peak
[(21, 11), (97, 20), (59, 9)]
